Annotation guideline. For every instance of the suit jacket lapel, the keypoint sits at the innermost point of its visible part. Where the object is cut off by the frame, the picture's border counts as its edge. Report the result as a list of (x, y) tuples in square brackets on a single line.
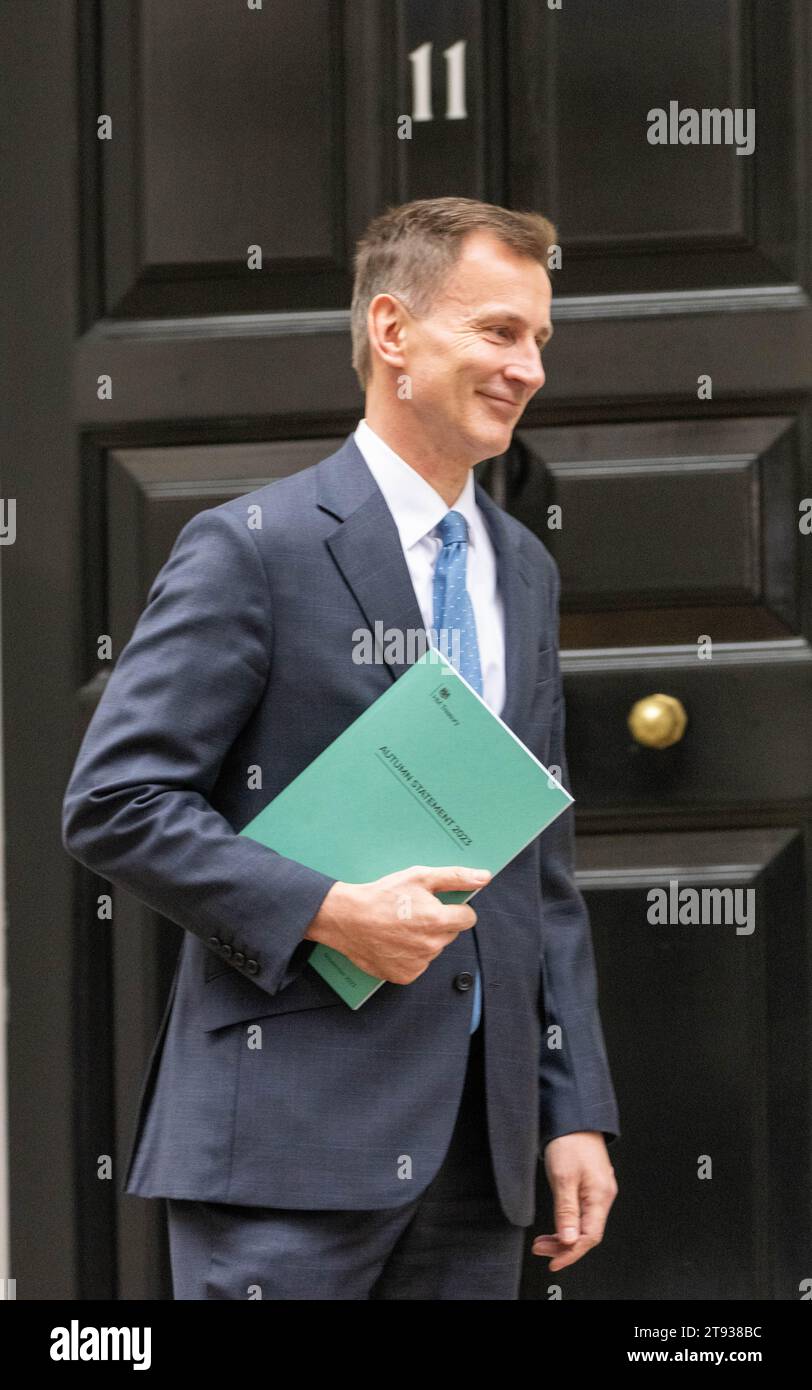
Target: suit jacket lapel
[(366, 548)]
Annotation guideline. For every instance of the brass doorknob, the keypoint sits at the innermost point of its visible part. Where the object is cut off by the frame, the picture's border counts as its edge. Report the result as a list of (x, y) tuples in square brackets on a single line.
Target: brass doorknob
[(658, 720)]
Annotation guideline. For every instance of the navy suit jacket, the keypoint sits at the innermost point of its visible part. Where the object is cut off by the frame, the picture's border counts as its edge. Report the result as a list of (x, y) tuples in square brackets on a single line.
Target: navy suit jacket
[(243, 657)]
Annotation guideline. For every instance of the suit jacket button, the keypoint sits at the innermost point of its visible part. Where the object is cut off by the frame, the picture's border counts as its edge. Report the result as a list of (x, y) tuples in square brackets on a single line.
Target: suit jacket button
[(215, 941), (238, 958), (252, 966), (226, 950), (463, 981)]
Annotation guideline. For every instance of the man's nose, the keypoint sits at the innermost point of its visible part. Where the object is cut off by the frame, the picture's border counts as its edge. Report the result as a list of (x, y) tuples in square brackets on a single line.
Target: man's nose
[(529, 372)]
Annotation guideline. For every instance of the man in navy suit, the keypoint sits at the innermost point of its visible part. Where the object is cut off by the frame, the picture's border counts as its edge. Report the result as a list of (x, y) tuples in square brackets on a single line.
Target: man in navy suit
[(305, 1150)]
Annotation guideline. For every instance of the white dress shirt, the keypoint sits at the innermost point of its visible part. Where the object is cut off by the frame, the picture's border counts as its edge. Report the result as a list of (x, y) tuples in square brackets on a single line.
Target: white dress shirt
[(417, 510)]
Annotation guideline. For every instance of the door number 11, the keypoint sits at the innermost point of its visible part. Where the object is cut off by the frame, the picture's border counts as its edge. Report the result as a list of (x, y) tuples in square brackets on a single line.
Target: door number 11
[(420, 59)]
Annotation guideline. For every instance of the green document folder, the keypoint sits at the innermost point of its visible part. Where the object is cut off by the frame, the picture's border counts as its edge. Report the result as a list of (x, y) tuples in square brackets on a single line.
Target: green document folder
[(428, 774)]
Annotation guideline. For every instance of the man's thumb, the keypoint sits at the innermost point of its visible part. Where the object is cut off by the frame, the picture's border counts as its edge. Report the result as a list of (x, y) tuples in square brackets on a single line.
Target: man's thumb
[(567, 1216), (455, 876)]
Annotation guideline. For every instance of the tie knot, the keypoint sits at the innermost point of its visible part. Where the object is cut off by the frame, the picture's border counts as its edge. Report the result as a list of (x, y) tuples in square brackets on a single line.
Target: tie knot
[(452, 528)]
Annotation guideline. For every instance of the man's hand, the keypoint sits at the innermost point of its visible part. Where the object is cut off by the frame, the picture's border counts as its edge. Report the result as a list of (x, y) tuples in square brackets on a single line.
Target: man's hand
[(394, 927), (582, 1181)]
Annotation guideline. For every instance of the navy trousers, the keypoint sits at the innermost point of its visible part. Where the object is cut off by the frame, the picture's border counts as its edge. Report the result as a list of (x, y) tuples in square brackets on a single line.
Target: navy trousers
[(451, 1242)]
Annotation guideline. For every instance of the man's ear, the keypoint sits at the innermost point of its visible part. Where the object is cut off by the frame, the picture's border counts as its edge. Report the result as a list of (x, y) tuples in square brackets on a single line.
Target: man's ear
[(387, 327)]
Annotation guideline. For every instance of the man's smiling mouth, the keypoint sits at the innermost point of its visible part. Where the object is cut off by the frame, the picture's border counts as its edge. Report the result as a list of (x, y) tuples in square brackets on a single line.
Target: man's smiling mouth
[(501, 400)]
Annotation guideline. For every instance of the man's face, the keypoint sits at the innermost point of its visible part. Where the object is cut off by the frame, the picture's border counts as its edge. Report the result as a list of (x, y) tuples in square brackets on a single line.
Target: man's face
[(474, 361)]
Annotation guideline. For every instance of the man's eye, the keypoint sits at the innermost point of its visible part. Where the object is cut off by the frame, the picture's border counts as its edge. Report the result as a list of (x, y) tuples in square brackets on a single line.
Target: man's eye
[(499, 328)]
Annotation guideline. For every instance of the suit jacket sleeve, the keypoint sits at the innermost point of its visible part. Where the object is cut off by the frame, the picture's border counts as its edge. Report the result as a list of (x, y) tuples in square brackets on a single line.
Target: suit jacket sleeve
[(137, 810), (576, 1091)]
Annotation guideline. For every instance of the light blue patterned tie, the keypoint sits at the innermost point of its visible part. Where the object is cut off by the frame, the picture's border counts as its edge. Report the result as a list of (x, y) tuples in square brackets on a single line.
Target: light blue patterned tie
[(456, 632)]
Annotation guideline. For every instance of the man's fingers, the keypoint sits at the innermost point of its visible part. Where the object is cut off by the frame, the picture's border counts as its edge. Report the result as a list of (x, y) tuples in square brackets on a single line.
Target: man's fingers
[(584, 1188), (591, 1223), (447, 919), (457, 917), (562, 1255)]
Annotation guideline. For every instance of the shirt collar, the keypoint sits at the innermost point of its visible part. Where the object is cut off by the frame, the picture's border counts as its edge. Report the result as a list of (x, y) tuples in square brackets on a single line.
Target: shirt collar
[(415, 505)]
